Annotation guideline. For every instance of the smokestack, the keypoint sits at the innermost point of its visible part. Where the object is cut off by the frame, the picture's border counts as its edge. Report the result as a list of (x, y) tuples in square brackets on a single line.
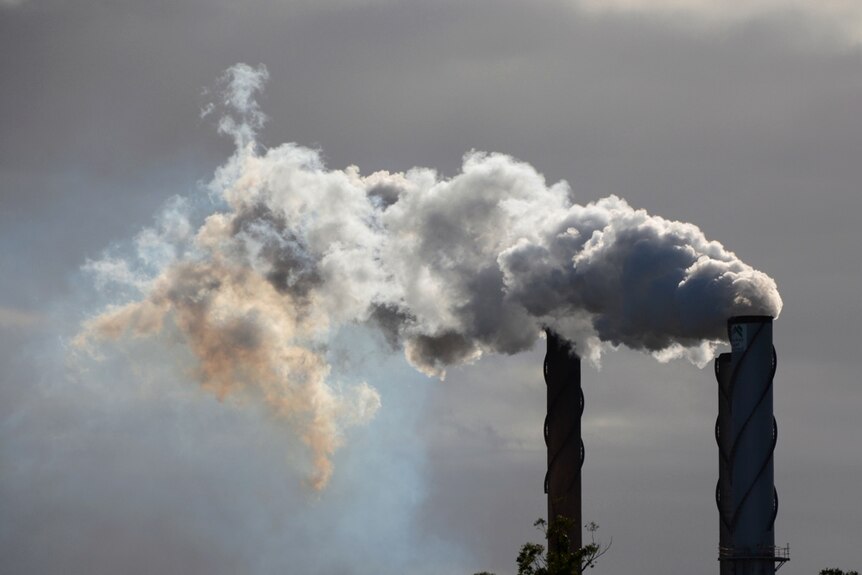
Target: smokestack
[(746, 433), (563, 437)]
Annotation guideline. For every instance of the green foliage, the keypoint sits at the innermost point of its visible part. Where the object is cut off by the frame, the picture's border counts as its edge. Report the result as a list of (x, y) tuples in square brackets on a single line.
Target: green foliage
[(834, 571), (563, 559)]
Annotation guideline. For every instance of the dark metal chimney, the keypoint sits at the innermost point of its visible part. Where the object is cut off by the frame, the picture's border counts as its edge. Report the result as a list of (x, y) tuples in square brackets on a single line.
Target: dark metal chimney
[(563, 436), (746, 433)]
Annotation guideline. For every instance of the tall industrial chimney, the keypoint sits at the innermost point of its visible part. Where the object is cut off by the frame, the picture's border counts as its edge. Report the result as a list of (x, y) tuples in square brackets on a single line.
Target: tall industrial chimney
[(746, 433), (563, 437)]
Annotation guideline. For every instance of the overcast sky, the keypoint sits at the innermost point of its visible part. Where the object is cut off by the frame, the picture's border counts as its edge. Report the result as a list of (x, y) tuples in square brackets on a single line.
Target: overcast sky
[(744, 118)]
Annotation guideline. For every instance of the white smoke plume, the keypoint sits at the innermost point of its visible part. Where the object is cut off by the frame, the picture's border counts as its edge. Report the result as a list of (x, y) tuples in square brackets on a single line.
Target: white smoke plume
[(449, 269)]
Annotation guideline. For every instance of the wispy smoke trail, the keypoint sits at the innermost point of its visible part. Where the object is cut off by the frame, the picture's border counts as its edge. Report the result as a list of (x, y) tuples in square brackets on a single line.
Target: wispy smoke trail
[(448, 268)]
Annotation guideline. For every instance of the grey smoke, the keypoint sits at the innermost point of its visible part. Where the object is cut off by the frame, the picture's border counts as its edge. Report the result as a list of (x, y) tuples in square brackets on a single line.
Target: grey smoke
[(449, 268)]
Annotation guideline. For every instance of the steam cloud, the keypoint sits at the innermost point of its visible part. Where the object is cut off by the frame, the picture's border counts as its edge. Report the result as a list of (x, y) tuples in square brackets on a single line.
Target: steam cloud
[(448, 269)]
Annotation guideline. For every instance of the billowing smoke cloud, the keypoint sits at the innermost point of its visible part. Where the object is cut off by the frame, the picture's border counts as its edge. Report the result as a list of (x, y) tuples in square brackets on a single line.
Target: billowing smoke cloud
[(449, 269)]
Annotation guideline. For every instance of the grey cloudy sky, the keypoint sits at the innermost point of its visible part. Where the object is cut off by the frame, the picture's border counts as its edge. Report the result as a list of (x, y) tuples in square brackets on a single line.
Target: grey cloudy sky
[(746, 121)]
